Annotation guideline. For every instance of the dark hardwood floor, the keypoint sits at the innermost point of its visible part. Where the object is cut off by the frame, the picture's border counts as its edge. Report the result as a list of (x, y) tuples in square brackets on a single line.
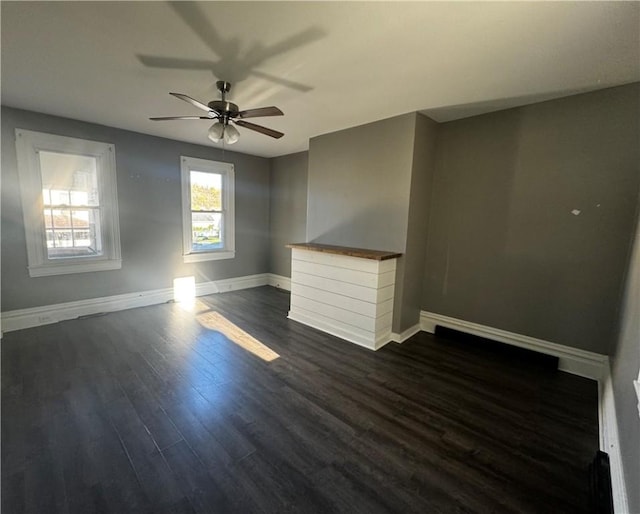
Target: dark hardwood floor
[(147, 410)]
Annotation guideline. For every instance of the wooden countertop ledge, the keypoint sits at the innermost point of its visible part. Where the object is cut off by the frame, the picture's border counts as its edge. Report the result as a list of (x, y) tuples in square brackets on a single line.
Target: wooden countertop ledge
[(376, 255)]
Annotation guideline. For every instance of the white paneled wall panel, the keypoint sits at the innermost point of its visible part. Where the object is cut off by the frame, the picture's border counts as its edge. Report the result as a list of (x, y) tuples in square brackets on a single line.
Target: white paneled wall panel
[(350, 297), (367, 294)]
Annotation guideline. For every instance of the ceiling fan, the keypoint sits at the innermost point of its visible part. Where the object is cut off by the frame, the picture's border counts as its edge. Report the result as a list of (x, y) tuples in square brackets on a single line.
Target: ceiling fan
[(226, 115)]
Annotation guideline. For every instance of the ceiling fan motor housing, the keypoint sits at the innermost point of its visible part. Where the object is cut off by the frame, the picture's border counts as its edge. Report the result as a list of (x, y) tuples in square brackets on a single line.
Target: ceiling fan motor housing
[(224, 107)]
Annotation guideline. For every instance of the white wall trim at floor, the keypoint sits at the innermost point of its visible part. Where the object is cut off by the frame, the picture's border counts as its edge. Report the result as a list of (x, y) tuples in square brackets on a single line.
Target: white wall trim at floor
[(609, 440), (246, 282), (406, 334), (46, 314), (572, 360), (279, 281)]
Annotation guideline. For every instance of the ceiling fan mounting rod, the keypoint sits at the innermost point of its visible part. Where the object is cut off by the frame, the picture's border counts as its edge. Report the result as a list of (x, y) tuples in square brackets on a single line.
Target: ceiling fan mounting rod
[(224, 87)]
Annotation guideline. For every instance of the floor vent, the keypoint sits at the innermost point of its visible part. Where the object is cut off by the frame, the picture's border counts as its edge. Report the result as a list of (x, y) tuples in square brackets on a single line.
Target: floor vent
[(600, 484)]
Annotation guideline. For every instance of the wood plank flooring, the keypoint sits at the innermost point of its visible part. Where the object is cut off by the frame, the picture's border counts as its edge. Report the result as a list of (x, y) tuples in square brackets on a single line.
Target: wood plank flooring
[(149, 411)]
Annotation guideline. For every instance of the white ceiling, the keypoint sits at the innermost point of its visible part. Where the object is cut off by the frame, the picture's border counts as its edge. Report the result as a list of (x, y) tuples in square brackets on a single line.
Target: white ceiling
[(327, 65)]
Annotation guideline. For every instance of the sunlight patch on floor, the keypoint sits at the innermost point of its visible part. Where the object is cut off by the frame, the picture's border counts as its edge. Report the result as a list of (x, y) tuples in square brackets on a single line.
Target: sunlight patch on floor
[(216, 321)]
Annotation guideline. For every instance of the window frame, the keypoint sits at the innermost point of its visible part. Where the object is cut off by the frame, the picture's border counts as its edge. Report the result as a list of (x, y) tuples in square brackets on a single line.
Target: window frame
[(227, 171), (29, 143)]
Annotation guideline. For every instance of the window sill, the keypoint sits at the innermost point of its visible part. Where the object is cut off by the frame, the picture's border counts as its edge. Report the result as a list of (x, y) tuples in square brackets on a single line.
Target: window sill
[(67, 268), (208, 256)]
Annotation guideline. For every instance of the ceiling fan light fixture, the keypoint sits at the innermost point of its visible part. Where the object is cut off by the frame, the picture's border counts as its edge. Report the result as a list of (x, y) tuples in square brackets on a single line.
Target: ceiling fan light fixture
[(219, 131), (231, 134), (216, 132)]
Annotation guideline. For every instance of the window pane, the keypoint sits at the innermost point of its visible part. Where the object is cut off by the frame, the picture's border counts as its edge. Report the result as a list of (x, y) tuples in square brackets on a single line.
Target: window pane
[(71, 233), (61, 218), (82, 238), (79, 198), (72, 179), (48, 219), (206, 189), (50, 241), (206, 231), (80, 219), (59, 197), (62, 239)]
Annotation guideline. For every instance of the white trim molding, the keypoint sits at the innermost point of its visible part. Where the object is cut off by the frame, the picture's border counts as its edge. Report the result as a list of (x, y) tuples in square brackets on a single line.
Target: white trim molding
[(572, 360), (246, 282), (406, 334), (610, 442), (36, 316), (279, 281)]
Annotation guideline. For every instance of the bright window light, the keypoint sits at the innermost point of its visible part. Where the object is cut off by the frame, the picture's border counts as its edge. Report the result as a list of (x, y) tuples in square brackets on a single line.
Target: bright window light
[(184, 291)]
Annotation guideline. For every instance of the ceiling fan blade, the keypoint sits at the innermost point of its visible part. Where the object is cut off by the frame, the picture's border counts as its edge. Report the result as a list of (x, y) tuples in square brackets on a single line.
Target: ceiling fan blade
[(258, 128), (261, 111), (161, 118), (186, 98)]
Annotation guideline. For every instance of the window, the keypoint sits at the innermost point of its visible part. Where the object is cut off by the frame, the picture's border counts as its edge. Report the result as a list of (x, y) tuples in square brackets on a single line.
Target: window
[(207, 210), (69, 204)]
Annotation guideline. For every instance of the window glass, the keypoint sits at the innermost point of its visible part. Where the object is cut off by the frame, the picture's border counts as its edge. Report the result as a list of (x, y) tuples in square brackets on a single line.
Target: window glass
[(206, 231), (69, 181), (206, 191)]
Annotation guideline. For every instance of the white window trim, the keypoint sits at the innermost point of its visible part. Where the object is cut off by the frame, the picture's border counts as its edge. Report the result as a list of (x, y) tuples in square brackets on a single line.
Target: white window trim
[(188, 164), (28, 145)]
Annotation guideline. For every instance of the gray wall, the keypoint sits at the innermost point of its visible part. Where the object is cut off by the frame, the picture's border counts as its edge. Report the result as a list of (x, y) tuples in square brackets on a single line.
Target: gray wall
[(504, 249), (288, 201), (359, 184), (368, 187), (624, 369), (411, 265), (148, 175)]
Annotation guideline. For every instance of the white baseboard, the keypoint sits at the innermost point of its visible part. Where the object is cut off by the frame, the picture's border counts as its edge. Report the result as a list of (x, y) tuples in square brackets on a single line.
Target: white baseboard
[(572, 360), (36, 316), (406, 334), (609, 440), (246, 282), (205, 288), (279, 281)]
